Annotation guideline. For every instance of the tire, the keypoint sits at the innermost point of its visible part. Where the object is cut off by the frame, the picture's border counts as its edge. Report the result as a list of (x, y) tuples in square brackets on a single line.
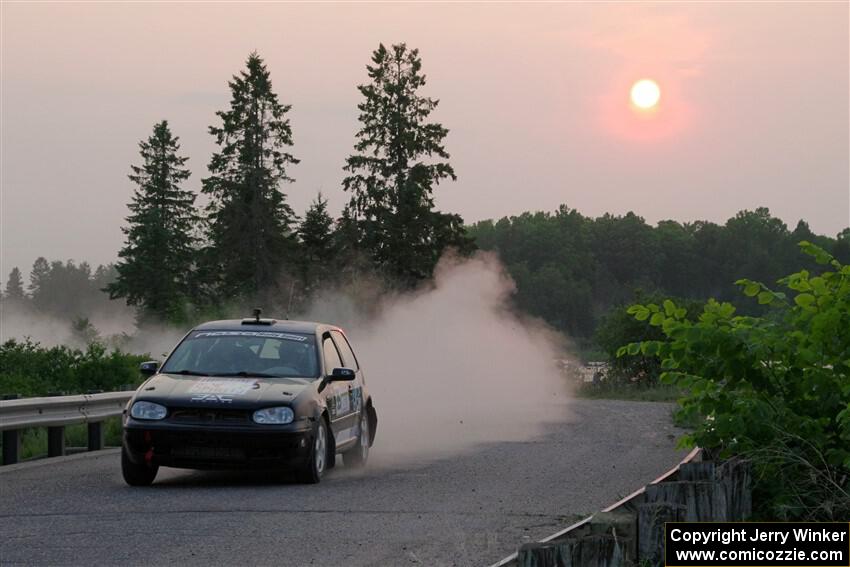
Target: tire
[(357, 457), (316, 464), (137, 475)]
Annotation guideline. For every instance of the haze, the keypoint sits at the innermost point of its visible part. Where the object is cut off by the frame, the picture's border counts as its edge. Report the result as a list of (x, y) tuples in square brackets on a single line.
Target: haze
[(535, 97)]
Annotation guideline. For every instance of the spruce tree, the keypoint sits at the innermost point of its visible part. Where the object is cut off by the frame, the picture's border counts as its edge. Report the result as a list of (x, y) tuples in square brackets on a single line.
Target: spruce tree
[(399, 160), (15, 286), (39, 280), (156, 263), (317, 242), (250, 232)]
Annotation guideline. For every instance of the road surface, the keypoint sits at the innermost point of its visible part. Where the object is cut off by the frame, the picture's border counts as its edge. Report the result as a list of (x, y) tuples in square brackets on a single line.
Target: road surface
[(470, 509)]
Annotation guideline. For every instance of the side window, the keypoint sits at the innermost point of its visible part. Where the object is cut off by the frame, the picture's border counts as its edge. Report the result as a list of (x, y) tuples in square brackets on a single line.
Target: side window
[(348, 358), (331, 355)]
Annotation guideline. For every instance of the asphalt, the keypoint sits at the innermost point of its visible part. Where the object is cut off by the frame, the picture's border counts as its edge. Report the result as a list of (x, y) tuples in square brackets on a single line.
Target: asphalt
[(468, 509)]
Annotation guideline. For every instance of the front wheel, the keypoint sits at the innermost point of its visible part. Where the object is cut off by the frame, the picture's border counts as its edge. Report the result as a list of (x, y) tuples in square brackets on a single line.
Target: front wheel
[(358, 456), (315, 465), (137, 475)]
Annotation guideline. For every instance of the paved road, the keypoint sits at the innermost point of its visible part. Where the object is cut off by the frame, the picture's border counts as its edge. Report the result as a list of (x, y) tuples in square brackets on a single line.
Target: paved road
[(471, 509)]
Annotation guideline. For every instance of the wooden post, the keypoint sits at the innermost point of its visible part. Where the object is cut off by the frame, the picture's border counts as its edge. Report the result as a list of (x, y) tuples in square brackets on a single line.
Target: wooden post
[(736, 477), (587, 551), (651, 518), (622, 526)]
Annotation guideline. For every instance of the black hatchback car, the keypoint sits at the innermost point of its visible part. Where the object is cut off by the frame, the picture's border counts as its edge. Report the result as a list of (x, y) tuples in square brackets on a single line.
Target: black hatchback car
[(256, 393)]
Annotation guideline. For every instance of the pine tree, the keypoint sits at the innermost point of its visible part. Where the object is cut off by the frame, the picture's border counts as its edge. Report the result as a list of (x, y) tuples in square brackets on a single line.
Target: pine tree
[(250, 224), (399, 160), (317, 242), (39, 280), (155, 267), (15, 286)]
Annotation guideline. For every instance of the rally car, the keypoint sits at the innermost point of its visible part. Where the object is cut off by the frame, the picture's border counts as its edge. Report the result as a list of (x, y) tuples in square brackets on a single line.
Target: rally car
[(254, 393)]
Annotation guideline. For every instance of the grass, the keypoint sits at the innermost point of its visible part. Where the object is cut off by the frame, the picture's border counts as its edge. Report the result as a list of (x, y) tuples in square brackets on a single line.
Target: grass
[(34, 441)]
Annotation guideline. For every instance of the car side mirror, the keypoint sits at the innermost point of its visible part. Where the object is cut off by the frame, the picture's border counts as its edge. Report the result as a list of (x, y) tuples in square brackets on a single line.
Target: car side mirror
[(149, 368), (341, 375)]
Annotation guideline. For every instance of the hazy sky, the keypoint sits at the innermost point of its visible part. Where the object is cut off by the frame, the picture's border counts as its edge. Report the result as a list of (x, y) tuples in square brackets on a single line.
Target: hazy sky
[(754, 107)]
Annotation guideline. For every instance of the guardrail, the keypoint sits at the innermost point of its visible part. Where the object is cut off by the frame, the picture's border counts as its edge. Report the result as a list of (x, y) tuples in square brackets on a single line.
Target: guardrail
[(632, 529), (54, 413)]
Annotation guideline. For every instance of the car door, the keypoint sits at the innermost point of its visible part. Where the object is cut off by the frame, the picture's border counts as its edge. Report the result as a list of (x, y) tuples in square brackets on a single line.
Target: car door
[(355, 387), (339, 396)]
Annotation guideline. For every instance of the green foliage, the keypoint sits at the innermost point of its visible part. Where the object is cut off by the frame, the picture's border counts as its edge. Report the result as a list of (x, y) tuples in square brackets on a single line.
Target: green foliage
[(250, 223), (28, 369), (399, 160), (775, 388), (155, 269), (633, 325)]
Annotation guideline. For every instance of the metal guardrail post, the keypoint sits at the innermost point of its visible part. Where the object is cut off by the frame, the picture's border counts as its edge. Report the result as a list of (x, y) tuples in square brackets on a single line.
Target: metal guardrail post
[(96, 436), (56, 441), (55, 436), (11, 440), (11, 447)]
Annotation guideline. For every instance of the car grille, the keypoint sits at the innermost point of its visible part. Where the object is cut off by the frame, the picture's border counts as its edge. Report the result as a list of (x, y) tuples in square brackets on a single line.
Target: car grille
[(209, 416)]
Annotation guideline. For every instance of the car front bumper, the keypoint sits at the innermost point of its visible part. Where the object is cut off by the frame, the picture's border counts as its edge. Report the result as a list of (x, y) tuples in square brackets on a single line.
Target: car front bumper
[(206, 447)]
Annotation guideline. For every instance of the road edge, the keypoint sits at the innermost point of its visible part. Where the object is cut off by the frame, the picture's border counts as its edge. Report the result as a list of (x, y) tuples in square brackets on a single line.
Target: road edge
[(35, 463)]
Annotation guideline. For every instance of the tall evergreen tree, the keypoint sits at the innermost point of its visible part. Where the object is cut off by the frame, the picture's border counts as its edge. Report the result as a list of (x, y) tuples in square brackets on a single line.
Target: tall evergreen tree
[(317, 242), (155, 267), (15, 286), (39, 276), (250, 224), (399, 160)]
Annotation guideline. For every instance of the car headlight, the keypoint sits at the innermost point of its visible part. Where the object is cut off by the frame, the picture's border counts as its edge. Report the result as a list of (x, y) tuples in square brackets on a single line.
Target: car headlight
[(148, 410), (277, 416)]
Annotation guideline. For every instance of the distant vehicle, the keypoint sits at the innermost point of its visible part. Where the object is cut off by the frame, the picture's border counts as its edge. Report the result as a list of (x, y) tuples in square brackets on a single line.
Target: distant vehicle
[(255, 393)]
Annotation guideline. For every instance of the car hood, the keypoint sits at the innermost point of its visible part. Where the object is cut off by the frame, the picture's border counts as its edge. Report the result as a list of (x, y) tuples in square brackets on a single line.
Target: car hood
[(235, 392)]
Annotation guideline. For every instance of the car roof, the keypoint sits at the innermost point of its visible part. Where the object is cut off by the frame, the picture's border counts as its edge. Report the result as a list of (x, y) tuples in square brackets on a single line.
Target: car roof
[(284, 325)]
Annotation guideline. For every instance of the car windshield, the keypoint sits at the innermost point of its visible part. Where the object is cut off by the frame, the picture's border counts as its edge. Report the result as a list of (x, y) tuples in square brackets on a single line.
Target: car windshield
[(245, 353)]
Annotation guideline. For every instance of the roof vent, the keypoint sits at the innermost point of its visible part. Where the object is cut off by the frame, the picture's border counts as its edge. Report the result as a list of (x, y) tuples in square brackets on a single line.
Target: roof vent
[(255, 320)]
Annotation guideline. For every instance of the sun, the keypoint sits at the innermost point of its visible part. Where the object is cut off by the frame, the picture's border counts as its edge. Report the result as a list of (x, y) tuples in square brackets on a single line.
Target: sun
[(645, 94)]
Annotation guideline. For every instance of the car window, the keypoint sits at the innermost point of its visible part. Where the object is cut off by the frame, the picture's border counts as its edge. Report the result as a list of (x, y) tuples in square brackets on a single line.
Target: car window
[(348, 358), (332, 359)]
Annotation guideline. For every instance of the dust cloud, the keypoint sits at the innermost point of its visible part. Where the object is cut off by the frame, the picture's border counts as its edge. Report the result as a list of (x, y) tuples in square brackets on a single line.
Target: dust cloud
[(449, 366), (114, 326), (452, 366)]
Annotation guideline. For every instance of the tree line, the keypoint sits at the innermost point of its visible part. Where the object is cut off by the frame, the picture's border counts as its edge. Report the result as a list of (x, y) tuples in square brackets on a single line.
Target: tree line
[(572, 270), (65, 290)]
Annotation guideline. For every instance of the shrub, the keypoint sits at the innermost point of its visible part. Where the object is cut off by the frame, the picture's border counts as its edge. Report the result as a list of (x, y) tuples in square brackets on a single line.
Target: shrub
[(29, 369), (774, 388)]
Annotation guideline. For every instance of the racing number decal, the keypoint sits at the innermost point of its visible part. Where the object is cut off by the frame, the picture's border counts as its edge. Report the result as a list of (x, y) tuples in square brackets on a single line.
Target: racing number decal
[(356, 398), (345, 402)]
